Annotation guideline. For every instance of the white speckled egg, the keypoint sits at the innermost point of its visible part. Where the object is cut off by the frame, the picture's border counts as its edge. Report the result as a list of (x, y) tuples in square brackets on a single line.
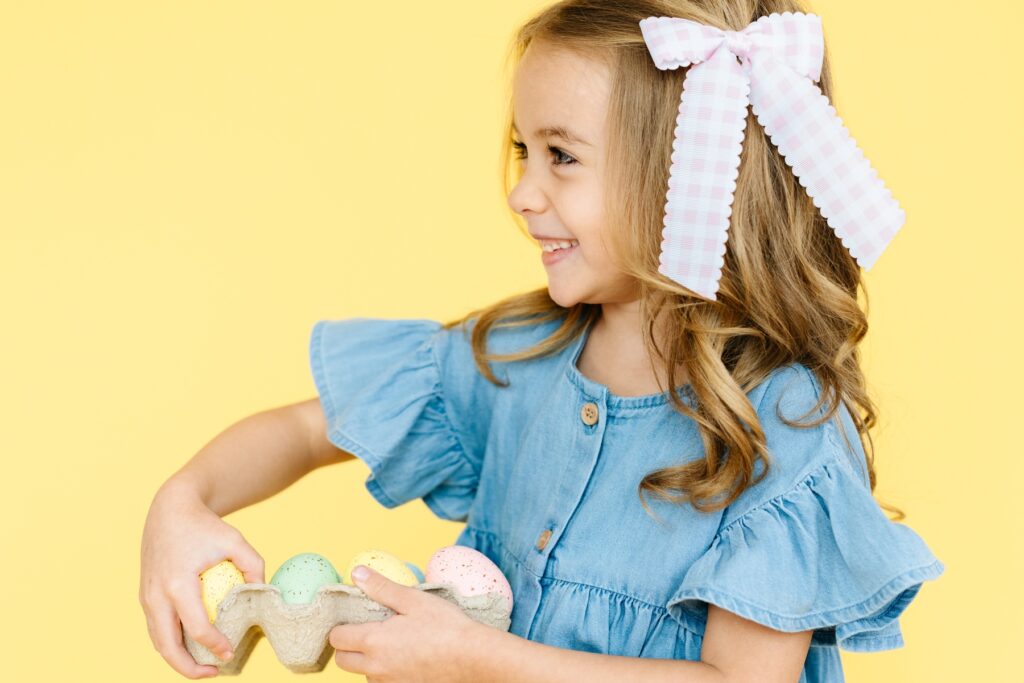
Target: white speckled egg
[(469, 572)]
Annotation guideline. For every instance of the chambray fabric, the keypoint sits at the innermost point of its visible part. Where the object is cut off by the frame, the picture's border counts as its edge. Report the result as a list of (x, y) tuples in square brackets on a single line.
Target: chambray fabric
[(806, 548)]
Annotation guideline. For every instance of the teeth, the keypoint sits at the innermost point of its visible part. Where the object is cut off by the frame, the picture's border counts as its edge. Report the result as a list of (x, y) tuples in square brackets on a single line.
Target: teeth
[(554, 245)]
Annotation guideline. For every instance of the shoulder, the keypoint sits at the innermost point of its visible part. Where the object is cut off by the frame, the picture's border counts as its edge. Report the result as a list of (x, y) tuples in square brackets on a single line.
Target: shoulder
[(786, 402), (506, 338), (787, 389), (456, 343)]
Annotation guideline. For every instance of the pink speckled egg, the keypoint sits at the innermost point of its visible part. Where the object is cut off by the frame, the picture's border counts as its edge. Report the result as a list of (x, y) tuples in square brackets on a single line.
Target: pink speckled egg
[(469, 572)]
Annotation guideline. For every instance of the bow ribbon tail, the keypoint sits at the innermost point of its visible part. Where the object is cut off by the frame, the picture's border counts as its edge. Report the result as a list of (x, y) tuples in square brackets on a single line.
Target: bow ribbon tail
[(824, 157), (702, 177)]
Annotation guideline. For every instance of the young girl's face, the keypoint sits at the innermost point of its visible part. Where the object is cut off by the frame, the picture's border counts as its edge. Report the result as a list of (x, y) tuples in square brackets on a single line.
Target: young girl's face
[(560, 192)]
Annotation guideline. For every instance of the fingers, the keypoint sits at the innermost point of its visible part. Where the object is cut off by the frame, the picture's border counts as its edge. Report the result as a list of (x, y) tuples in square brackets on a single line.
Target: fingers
[(248, 561), (354, 662), (352, 637), (351, 642), (379, 588), (165, 632), (188, 603)]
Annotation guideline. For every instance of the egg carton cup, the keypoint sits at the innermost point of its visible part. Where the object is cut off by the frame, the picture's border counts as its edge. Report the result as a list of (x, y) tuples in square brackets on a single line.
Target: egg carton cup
[(299, 633)]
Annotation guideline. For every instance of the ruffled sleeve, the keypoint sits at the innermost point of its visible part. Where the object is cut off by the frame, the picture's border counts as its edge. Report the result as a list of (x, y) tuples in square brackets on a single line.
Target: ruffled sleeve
[(404, 397), (821, 554)]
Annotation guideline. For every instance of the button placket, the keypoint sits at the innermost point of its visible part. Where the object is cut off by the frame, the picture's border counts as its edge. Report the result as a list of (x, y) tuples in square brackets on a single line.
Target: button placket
[(572, 483), (590, 415)]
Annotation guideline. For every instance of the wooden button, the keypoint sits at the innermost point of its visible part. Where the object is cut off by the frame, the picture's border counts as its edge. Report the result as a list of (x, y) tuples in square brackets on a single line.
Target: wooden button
[(589, 413), (545, 536)]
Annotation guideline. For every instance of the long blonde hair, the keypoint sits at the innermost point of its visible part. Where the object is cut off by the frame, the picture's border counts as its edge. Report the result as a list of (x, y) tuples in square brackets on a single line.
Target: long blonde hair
[(788, 291)]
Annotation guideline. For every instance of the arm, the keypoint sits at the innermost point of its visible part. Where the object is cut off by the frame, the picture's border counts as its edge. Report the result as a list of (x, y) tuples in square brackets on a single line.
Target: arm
[(734, 650), (249, 461), (260, 456)]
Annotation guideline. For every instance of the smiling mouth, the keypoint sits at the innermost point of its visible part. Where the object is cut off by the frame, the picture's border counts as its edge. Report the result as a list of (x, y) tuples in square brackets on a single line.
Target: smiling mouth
[(555, 246), (554, 254)]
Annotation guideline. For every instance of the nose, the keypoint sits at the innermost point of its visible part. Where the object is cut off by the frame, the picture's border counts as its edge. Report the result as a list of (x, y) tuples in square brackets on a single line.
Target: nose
[(526, 196)]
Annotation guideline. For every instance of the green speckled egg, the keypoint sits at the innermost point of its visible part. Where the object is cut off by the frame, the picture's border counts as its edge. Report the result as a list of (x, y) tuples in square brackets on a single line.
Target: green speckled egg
[(300, 577)]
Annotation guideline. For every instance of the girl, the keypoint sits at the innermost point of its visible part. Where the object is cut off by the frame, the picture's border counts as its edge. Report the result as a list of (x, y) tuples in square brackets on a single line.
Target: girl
[(707, 533)]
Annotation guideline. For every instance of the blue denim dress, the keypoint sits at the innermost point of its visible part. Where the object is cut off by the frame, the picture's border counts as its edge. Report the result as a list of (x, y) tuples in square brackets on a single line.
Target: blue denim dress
[(544, 474)]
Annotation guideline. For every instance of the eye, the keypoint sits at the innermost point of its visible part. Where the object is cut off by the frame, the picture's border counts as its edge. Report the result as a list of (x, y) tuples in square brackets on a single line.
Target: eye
[(567, 160)]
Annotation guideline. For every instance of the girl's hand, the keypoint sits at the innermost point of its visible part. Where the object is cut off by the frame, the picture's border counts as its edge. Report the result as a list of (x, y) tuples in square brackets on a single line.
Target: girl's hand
[(182, 538), (425, 641)]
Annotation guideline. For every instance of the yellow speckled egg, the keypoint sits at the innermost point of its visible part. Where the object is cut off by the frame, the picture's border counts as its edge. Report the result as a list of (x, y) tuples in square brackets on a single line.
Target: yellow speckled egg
[(383, 563), (217, 581)]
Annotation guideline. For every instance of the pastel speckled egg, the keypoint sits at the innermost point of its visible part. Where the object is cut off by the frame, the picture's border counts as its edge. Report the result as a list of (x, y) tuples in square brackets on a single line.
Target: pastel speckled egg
[(300, 577), (417, 571), (383, 563), (217, 582), (469, 572)]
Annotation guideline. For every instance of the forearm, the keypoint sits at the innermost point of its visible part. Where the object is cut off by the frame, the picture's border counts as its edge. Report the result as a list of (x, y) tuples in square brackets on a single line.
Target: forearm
[(502, 657), (249, 461)]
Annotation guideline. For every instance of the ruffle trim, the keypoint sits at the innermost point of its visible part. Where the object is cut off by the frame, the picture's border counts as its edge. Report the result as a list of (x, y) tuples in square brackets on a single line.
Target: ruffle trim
[(393, 418), (862, 635), (826, 559)]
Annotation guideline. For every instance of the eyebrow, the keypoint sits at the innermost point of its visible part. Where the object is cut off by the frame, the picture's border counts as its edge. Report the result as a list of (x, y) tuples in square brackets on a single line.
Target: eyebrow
[(556, 132)]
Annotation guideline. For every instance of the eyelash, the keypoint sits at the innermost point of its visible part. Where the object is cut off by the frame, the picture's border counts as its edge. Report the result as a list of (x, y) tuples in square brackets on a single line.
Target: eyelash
[(521, 149)]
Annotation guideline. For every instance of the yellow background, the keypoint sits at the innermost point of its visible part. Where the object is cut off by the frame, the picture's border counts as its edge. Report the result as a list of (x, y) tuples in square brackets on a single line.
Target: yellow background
[(186, 187)]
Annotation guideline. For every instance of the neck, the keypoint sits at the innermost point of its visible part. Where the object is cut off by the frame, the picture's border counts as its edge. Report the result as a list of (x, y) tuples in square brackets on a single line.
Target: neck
[(619, 330)]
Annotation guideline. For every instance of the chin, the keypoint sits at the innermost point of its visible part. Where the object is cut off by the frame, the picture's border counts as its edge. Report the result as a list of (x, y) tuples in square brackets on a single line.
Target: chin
[(565, 298)]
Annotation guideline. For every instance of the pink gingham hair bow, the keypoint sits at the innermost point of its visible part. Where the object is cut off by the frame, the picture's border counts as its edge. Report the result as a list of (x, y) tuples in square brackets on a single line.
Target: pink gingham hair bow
[(775, 62)]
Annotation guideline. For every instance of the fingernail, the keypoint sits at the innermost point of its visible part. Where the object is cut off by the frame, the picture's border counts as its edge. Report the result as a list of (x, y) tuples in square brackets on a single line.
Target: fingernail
[(360, 573), (227, 655)]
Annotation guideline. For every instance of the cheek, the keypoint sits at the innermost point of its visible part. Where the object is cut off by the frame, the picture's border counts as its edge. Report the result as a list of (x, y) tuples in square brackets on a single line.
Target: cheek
[(584, 217)]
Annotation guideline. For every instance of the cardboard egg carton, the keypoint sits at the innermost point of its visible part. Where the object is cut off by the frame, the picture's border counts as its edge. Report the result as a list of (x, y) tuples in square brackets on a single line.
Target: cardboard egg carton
[(299, 633)]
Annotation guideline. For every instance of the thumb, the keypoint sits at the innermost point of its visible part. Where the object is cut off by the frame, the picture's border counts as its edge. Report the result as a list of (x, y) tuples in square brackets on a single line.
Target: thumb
[(248, 561), (381, 589)]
